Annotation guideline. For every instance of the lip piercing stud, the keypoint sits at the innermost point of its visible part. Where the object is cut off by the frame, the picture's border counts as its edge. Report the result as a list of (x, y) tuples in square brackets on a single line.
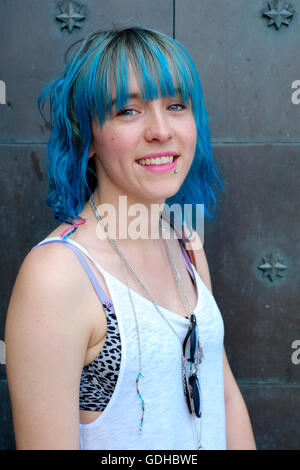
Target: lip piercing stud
[(175, 171)]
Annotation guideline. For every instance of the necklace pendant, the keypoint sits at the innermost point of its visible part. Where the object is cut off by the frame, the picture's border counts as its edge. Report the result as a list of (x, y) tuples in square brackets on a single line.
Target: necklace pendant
[(184, 376), (200, 353)]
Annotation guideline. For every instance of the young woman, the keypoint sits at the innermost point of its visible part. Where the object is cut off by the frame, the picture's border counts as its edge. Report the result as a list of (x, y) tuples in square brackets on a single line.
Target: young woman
[(114, 340)]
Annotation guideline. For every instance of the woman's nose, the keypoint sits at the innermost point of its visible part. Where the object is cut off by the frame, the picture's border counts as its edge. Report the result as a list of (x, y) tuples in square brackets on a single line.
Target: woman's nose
[(157, 126)]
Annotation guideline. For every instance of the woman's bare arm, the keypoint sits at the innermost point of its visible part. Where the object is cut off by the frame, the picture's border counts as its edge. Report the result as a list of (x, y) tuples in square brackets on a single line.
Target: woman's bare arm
[(46, 338)]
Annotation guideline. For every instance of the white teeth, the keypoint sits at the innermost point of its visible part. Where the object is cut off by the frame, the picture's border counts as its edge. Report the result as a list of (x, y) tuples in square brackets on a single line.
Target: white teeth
[(156, 161)]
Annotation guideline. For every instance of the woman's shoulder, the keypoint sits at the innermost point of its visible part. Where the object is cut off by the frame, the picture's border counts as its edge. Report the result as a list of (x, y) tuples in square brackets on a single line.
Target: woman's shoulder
[(50, 288), (57, 261), (52, 264), (49, 268)]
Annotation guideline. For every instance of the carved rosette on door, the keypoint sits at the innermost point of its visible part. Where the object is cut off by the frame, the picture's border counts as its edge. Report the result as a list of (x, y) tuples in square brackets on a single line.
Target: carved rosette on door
[(272, 267), (70, 15), (279, 12)]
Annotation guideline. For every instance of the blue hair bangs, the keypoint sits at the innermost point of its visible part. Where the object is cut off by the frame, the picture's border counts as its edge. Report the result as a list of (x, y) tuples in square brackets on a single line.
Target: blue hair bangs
[(105, 77)]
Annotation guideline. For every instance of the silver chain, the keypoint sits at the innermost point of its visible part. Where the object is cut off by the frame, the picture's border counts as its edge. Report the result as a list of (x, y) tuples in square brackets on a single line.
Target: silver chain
[(182, 291), (125, 264), (175, 270)]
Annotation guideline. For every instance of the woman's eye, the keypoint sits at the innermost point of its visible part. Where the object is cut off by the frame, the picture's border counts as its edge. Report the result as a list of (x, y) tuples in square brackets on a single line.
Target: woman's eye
[(176, 107), (127, 112)]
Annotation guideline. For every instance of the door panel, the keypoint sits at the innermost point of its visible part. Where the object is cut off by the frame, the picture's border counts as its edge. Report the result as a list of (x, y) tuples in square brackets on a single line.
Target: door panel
[(247, 70)]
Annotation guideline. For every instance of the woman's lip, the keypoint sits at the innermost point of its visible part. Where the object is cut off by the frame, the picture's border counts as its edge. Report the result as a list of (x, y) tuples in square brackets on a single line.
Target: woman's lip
[(163, 167)]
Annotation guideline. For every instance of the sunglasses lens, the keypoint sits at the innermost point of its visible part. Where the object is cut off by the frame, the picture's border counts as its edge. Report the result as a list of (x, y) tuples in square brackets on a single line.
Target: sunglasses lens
[(188, 397), (193, 345), (195, 394)]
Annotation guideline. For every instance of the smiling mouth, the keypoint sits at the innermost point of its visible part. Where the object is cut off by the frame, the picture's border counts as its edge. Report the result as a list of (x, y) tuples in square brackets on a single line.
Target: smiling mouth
[(162, 164), (164, 160)]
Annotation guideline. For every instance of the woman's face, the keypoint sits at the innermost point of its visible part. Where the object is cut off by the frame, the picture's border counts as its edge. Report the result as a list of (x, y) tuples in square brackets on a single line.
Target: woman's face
[(140, 129)]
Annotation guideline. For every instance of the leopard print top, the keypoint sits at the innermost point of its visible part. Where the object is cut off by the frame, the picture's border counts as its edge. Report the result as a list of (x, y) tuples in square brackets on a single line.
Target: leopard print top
[(99, 378)]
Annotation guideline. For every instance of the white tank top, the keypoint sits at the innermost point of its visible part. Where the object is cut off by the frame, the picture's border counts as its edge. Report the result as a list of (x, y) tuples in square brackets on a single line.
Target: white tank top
[(168, 425)]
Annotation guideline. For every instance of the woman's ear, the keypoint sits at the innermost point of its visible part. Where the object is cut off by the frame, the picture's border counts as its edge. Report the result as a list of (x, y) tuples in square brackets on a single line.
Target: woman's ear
[(91, 151)]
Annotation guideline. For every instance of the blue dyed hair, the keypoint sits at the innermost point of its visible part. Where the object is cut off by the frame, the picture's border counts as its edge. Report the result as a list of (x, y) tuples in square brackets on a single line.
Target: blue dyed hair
[(97, 68)]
